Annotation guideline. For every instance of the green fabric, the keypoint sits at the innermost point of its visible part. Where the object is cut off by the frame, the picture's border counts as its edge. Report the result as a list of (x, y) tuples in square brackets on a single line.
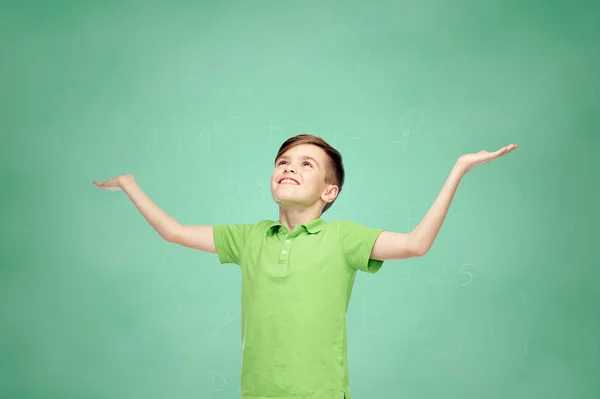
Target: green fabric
[(296, 287)]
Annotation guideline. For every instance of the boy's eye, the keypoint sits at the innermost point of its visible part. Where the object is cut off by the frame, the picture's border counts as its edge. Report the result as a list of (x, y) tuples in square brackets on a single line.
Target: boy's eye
[(305, 163)]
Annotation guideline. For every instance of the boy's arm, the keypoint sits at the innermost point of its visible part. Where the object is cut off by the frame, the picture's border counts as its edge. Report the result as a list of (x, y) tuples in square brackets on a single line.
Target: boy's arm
[(197, 237), (390, 245)]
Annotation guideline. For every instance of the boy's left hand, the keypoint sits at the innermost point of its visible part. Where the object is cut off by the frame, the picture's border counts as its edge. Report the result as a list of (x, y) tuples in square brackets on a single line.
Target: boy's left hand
[(470, 161)]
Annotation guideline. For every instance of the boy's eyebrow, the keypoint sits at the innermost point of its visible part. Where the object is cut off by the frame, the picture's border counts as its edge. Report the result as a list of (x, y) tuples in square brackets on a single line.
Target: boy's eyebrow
[(302, 157)]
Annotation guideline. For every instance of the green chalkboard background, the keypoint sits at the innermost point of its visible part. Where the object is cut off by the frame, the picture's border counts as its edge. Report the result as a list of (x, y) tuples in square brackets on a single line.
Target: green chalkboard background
[(194, 99)]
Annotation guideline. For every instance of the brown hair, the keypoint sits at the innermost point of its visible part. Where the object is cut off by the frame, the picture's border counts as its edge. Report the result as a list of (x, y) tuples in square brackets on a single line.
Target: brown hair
[(334, 170)]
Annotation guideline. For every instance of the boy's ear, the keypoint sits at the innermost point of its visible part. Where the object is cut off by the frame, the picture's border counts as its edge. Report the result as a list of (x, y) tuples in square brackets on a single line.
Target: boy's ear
[(331, 193)]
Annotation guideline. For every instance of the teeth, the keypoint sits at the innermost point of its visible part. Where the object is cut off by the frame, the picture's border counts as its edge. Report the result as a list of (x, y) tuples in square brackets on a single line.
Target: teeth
[(288, 181)]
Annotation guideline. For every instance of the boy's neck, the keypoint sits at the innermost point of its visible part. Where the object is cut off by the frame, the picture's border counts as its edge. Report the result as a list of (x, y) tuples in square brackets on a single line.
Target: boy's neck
[(291, 218)]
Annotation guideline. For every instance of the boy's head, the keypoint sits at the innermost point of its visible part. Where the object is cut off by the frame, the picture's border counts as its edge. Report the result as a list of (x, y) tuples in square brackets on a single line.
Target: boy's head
[(316, 166)]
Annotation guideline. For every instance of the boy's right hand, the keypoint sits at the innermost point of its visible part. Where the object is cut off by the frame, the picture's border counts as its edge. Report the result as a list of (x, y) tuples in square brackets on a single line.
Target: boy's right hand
[(113, 184)]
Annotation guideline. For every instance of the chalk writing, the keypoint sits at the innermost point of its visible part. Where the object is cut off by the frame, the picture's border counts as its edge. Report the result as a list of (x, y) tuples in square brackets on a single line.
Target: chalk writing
[(361, 64), (217, 382), (410, 123), (464, 272), (233, 204), (433, 271), (225, 318), (441, 269), (203, 138)]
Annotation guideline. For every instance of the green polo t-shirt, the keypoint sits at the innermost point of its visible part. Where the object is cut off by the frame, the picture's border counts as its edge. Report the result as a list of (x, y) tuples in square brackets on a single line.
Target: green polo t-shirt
[(296, 287)]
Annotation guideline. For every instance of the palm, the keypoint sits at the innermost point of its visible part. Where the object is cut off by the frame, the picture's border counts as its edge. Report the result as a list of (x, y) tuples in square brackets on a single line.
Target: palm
[(112, 184), (470, 161)]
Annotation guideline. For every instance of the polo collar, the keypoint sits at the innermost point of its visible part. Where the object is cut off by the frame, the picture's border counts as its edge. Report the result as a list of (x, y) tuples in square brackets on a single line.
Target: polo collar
[(312, 227)]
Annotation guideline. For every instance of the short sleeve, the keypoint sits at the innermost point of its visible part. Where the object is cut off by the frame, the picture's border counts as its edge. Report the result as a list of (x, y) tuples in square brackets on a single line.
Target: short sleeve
[(356, 243), (230, 240)]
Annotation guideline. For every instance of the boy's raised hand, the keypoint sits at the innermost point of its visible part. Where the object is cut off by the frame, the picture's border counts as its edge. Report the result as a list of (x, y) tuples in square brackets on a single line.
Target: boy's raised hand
[(470, 161), (113, 184)]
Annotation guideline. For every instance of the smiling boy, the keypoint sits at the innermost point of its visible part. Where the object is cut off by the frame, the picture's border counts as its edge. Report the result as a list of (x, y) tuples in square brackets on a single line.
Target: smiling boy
[(298, 271)]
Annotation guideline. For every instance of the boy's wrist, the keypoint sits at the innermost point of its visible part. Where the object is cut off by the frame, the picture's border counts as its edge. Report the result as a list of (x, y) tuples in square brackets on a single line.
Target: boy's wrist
[(125, 179), (459, 169)]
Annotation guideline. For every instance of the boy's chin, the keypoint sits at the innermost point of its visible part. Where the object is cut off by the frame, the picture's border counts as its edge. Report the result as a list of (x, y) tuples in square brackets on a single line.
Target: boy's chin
[(290, 203)]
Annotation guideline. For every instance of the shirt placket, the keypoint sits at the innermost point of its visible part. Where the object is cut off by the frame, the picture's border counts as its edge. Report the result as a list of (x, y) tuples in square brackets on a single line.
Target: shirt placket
[(284, 253)]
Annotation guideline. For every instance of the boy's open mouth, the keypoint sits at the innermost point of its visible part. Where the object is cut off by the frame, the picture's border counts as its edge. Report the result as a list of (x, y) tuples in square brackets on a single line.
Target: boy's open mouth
[(287, 180)]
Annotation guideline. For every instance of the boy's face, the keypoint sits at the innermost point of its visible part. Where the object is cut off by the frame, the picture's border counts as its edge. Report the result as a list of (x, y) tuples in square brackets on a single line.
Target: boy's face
[(306, 164)]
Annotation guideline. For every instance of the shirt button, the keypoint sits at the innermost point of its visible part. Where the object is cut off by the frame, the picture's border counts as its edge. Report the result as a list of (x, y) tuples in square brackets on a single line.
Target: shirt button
[(287, 241), (284, 252)]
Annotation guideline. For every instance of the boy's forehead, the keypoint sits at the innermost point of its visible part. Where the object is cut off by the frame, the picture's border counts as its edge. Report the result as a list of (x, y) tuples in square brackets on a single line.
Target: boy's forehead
[(305, 150)]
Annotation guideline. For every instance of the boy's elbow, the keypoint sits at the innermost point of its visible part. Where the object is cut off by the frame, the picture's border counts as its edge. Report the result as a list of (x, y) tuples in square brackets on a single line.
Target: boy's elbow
[(172, 234), (171, 238), (420, 250)]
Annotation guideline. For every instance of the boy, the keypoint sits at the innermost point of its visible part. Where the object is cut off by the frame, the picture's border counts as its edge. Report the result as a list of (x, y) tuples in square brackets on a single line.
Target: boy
[(298, 271)]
